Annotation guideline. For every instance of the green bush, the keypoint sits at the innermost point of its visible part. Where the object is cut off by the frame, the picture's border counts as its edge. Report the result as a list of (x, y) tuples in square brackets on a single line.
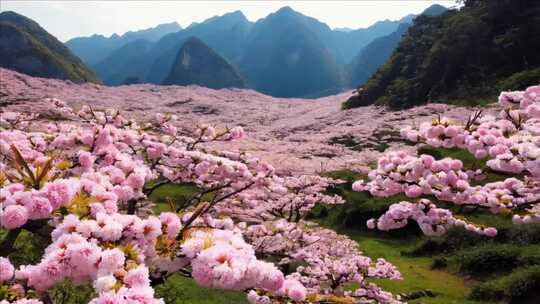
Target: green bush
[(456, 238), (487, 260), (521, 80), (521, 286), (523, 234)]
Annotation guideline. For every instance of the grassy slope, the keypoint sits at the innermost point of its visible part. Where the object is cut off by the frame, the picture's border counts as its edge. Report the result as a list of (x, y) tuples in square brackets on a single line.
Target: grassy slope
[(417, 273)]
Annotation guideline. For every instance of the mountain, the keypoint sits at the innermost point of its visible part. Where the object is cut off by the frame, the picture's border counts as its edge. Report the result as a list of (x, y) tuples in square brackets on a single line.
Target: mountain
[(27, 48), (343, 29), (434, 10), (303, 57), (224, 34), (197, 64), (373, 55), (377, 52), (465, 55), (118, 66), (96, 48), (285, 58), (352, 42)]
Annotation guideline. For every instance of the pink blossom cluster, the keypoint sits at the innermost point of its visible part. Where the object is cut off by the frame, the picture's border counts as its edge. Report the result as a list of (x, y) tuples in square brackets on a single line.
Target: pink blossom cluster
[(509, 144), (327, 261), (432, 221), (511, 141), (289, 197)]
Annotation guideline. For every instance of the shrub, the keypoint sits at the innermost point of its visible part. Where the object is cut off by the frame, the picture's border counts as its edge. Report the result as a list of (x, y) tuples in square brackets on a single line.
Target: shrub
[(486, 260), (517, 287), (456, 238)]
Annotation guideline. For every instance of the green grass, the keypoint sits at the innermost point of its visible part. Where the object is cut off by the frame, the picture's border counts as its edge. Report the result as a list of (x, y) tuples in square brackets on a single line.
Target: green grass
[(449, 288), (181, 290), (178, 194)]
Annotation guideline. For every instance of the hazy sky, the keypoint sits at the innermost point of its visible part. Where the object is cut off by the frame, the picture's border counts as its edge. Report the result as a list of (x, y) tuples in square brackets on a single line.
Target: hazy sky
[(68, 19)]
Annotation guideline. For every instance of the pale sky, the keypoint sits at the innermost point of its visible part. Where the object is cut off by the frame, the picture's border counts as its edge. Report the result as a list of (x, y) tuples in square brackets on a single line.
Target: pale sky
[(68, 19)]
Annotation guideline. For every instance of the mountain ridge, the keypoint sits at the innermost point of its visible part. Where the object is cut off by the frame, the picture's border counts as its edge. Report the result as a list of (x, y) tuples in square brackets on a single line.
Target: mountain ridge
[(461, 56), (28, 48)]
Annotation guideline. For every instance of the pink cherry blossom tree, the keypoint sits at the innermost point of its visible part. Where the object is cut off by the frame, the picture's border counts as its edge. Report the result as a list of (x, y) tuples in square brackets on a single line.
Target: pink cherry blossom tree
[(85, 181), (508, 144)]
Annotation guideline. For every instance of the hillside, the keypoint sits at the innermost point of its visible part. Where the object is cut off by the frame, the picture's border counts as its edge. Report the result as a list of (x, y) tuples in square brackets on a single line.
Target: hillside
[(378, 51), (197, 64), (373, 56), (118, 66), (473, 53), (29, 49)]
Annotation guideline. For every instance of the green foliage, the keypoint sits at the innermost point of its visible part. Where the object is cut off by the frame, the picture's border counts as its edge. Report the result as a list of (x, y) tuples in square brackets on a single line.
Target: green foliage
[(521, 80), (487, 260), (69, 293), (27, 249), (178, 194), (359, 207), (463, 56), (521, 286), (418, 273)]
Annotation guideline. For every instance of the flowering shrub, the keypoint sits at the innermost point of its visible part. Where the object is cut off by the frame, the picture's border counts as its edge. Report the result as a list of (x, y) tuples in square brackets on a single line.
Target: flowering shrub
[(85, 182), (509, 144)]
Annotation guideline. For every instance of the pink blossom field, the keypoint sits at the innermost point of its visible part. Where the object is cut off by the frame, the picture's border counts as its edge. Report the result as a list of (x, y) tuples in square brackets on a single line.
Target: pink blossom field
[(291, 133)]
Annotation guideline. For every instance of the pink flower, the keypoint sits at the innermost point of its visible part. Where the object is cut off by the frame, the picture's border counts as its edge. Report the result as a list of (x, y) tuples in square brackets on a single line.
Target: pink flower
[(39, 208), (13, 216), (6, 270), (294, 290), (111, 261), (172, 224), (60, 192), (413, 191), (86, 160), (137, 277), (491, 232)]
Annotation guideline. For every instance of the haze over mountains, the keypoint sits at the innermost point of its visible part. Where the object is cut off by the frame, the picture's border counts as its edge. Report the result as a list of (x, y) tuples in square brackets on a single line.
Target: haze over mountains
[(285, 54)]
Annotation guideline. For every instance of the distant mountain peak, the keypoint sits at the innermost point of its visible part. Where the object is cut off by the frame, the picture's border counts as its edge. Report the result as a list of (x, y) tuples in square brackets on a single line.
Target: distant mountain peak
[(286, 11), (434, 10), (198, 64)]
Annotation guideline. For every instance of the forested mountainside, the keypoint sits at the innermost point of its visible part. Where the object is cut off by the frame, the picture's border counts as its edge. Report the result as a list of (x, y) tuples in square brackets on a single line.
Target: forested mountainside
[(27, 48), (376, 53), (471, 53), (197, 64)]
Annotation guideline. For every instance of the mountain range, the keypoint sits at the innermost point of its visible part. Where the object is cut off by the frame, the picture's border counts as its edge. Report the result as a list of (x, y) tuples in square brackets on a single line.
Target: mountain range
[(285, 54), (26, 47)]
